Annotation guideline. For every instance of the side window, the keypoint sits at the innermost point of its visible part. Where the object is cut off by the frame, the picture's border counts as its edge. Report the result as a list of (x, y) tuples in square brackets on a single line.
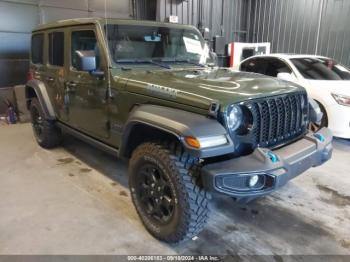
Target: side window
[(84, 41), (246, 66), (56, 48), (256, 65), (276, 66), (37, 49)]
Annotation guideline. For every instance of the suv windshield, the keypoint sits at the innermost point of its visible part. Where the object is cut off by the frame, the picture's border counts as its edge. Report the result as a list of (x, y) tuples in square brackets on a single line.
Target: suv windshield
[(321, 69), (150, 44)]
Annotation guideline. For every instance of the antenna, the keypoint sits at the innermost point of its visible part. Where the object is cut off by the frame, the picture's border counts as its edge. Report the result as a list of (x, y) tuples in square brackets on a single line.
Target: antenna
[(108, 51)]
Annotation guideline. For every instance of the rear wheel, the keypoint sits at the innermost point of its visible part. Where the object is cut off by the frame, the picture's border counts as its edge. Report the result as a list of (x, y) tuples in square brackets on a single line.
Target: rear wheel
[(166, 192), (46, 133)]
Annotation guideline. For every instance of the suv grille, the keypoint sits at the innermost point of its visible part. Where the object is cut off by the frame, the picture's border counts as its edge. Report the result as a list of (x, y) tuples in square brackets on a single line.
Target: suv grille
[(278, 120)]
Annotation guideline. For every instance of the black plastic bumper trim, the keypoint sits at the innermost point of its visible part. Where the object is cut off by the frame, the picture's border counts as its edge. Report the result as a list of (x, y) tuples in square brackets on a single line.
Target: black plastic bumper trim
[(293, 160)]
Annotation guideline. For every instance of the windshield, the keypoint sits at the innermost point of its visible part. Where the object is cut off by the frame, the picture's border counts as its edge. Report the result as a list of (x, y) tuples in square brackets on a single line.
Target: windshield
[(140, 44), (321, 69)]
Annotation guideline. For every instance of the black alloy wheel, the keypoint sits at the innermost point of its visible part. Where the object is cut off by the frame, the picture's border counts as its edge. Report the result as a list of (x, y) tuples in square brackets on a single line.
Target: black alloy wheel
[(155, 194)]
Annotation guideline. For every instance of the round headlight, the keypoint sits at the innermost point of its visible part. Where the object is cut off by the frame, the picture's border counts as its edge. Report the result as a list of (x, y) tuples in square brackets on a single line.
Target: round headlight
[(234, 117)]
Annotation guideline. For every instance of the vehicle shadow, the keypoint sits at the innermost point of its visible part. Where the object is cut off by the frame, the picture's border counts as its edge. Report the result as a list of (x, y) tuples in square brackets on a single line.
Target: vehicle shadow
[(106, 164)]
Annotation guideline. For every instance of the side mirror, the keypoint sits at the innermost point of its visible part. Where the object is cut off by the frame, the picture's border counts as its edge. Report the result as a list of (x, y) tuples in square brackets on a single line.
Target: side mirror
[(286, 76), (86, 60)]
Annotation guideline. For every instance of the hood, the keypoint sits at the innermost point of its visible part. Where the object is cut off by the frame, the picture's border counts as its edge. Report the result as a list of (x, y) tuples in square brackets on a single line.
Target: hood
[(340, 87), (201, 87)]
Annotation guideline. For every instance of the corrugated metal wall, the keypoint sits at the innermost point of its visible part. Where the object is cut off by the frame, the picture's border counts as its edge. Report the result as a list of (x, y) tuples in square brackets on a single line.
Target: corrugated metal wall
[(303, 26), (222, 17), (19, 17), (292, 26)]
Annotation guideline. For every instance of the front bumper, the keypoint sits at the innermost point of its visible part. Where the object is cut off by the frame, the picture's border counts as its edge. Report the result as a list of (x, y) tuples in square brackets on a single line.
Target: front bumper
[(339, 120), (273, 168)]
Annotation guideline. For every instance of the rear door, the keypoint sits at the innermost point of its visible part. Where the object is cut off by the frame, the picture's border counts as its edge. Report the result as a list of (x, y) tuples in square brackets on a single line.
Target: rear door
[(55, 71)]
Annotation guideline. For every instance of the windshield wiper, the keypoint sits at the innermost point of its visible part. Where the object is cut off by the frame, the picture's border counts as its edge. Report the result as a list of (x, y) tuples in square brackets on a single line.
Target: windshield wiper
[(159, 64), (188, 61), (142, 61)]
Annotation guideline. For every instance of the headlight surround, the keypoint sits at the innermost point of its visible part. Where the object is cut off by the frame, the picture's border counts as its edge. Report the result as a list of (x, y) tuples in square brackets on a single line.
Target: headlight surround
[(234, 117), (342, 100)]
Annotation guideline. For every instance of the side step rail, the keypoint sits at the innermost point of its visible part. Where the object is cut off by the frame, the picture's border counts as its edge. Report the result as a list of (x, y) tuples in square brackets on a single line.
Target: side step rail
[(94, 142)]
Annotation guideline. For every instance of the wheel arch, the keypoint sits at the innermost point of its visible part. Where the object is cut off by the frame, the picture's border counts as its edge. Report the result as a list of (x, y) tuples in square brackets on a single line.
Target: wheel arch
[(323, 109), (140, 132), (151, 122), (37, 89)]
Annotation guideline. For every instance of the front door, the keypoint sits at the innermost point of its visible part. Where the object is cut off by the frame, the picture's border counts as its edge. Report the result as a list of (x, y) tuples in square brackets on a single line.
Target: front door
[(85, 93)]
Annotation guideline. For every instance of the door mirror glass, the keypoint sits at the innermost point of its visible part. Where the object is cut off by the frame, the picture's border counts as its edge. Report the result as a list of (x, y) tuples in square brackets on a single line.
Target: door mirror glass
[(287, 77), (86, 60)]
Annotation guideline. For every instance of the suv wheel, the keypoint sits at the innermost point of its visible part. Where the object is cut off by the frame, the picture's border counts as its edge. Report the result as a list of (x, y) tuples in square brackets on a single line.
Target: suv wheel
[(314, 127), (46, 133), (170, 202)]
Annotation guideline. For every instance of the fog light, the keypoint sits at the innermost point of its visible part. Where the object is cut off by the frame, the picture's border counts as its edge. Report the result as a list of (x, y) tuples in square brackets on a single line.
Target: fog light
[(253, 181)]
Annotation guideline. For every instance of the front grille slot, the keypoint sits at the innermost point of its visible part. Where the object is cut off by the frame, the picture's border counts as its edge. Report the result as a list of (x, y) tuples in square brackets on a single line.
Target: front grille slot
[(278, 119)]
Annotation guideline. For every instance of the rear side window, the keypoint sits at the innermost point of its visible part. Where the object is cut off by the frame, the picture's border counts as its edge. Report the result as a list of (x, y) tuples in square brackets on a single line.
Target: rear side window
[(37, 48), (276, 66), (56, 48), (256, 65)]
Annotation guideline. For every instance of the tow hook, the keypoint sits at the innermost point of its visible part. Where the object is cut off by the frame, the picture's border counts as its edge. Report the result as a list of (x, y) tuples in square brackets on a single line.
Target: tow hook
[(320, 137), (273, 157)]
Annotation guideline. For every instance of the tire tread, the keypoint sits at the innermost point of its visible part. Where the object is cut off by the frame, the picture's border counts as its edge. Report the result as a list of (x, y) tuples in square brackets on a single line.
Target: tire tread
[(196, 210)]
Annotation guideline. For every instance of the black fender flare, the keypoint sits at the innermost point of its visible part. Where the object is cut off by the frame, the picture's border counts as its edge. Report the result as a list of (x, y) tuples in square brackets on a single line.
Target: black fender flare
[(180, 124), (43, 97)]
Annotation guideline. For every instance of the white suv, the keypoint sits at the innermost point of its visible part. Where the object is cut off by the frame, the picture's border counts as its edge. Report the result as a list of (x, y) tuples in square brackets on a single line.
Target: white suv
[(325, 80)]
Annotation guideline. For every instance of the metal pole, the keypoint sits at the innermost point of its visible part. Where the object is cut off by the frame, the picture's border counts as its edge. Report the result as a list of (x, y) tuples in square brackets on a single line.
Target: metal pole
[(310, 26), (344, 34), (319, 26), (291, 27), (279, 27)]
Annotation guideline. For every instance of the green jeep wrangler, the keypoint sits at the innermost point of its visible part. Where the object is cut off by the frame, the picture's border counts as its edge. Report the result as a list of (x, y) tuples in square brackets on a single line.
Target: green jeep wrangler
[(151, 93)]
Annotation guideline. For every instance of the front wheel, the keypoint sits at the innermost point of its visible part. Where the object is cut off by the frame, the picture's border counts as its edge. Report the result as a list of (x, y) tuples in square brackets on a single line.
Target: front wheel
[(166, 193)]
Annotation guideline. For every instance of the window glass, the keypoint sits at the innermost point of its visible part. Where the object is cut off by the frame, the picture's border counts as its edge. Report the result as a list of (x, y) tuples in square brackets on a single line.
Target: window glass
[(37, 48), (84, 41), (144, 43), (276, 66), (321, 69), (255, 65), (56, 48)]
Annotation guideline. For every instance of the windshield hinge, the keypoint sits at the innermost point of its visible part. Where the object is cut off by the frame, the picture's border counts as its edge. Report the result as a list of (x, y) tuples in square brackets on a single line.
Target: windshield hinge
[(214, 109)]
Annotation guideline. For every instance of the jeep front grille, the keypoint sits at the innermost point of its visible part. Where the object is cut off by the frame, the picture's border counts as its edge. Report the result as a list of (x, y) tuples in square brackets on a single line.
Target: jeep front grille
[(279, 119)]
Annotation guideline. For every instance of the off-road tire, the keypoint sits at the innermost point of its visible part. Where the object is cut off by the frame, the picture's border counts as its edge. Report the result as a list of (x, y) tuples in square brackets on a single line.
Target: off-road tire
[(191, 210), (49, 135)]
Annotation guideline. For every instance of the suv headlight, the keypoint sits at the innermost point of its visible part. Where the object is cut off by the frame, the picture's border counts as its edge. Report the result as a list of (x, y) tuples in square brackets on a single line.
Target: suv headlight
[(342, 100), (234, 117)]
